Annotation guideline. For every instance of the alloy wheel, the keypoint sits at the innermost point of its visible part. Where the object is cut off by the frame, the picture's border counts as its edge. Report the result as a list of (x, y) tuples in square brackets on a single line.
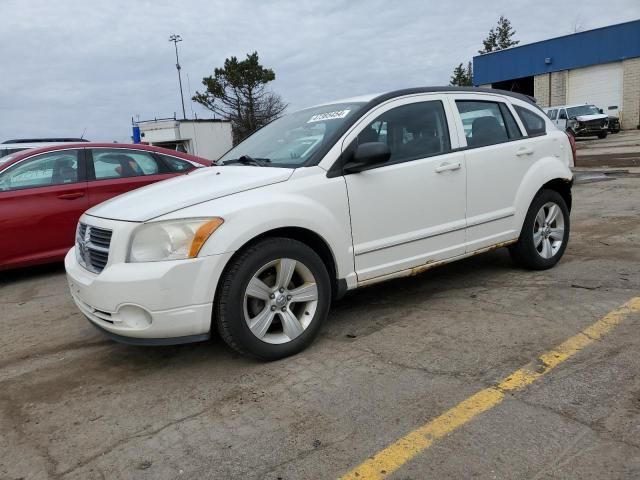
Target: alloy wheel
[(548, 230), (280, 301)]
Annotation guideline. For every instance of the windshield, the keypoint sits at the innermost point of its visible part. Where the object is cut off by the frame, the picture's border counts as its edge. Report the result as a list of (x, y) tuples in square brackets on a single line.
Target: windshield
[(582, 110), (292, 139)]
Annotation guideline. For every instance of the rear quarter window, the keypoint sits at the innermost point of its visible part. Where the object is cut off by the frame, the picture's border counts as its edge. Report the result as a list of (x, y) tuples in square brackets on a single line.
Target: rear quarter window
[(533, 123)]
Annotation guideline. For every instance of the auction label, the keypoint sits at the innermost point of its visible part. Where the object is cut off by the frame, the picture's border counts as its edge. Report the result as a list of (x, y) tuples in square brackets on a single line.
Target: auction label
[(329, 116)]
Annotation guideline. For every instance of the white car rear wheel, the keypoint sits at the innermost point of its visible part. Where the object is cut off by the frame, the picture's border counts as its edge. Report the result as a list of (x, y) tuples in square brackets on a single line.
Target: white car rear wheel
[(545, 232)]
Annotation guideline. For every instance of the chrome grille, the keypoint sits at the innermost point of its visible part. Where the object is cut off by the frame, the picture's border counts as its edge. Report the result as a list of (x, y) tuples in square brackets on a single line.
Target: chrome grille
[(93, 247)]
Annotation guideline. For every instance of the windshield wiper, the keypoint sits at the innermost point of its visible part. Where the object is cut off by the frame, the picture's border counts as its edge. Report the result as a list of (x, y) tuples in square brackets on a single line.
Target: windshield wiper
[(247, 160)]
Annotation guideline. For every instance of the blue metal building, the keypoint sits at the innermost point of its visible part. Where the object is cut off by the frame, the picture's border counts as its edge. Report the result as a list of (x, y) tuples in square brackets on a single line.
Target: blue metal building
[(600, 66)]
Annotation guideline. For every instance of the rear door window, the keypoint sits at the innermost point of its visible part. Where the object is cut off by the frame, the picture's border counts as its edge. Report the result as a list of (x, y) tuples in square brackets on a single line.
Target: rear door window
[(111, 163), (533, 123), (513, 130), (487, 123)]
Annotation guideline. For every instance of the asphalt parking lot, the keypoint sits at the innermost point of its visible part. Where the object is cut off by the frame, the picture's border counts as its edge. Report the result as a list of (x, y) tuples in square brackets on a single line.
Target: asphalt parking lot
[(390, 359), (617, 150)]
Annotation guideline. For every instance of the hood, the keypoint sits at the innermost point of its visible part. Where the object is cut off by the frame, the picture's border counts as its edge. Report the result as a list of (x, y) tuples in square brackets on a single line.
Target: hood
[(595, 116), (199, 186)]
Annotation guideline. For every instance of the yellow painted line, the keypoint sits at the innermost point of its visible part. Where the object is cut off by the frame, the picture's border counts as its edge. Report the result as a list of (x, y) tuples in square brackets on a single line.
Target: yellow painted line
[(401, 451)]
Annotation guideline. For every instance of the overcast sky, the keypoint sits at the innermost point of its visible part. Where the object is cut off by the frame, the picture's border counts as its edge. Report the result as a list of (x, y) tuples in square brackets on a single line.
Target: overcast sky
[(69, 65)]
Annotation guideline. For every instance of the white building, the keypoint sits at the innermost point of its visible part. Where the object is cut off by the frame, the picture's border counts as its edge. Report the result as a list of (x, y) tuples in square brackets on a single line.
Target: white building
[(209, 139)]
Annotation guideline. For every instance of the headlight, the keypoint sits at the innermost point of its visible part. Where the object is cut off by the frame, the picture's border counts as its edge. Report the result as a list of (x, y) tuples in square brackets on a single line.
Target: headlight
[(171, 240)]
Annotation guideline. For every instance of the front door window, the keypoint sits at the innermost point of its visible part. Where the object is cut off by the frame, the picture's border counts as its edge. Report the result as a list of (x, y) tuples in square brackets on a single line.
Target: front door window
[(48, 169), (416, 130)]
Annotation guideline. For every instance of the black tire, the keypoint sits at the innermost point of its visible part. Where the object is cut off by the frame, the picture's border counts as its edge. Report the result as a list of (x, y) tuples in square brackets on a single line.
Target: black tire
[(602, 135), (229, 313), (524, 252)]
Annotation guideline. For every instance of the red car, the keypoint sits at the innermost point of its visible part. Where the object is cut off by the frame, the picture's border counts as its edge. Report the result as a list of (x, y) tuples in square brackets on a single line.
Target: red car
[(44, 191)]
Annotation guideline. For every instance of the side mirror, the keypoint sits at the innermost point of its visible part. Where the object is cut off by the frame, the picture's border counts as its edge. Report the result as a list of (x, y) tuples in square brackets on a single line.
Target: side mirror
[(600, 110), (367, 155)]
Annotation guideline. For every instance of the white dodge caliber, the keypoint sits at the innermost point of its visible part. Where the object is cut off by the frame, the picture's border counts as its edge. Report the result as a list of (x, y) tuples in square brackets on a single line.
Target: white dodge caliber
[(322, 201)]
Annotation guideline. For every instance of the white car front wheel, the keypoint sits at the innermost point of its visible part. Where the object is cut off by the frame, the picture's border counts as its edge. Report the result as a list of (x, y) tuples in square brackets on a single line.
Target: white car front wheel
[(272, 299)]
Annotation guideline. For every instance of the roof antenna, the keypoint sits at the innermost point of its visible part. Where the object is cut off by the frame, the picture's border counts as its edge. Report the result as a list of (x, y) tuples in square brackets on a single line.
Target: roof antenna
[(83, 132)]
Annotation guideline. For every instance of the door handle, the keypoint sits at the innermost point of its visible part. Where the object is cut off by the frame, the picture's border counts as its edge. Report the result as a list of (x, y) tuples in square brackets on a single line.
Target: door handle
[(71, 196), (524, 151), (446, 166)]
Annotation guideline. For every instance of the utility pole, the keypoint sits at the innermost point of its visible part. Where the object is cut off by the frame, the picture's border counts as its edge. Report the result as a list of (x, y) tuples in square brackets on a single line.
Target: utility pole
[(175, 39)]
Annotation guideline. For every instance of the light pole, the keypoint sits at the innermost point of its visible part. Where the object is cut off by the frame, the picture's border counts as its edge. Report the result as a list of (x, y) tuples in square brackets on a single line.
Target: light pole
[(175, 39)]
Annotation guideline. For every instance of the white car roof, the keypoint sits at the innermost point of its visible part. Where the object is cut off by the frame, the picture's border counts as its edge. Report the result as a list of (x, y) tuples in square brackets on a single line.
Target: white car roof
[(358, 99), (381, 97), (411, 91)]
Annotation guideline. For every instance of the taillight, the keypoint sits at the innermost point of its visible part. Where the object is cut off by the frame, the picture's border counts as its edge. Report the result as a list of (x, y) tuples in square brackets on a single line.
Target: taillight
[(572, 141)]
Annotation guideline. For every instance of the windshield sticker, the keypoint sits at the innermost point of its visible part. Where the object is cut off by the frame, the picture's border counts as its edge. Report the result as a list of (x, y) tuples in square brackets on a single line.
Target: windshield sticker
[(321, 117)]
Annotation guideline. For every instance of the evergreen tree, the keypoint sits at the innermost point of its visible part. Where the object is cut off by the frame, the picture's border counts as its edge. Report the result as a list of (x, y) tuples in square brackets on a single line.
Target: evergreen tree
[(490, 44), (504, 34), (462, 77), (499, 37)]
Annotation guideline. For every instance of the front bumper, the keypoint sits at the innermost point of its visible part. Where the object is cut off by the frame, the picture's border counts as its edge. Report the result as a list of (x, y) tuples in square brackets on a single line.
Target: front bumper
[(587, 130), (590, 132), (149, 303)]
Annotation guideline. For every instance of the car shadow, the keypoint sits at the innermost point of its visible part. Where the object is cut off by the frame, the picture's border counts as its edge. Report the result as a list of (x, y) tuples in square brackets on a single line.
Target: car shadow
[(369, 309), (360, 312)]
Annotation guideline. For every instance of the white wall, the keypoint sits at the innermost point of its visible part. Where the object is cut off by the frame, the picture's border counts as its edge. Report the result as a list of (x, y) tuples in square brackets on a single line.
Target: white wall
[(207, 139), (599, 85), (160, 131)]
